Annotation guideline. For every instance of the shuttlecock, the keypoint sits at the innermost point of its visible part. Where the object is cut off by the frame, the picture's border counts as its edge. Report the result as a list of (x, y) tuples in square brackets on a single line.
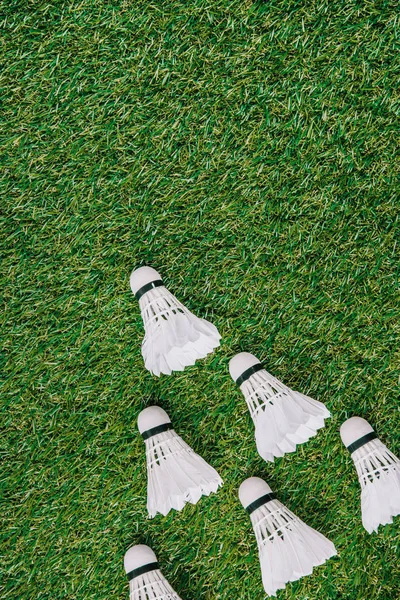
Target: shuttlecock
[(175, 473), (378, 472), (282, 417), (174, 337), (146, 582), (288, 548)]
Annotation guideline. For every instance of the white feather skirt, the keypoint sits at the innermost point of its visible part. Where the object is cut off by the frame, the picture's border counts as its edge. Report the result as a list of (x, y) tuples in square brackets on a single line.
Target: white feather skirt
[(288, 548), (151, 586), (378, 471), (174, 337), (282, 417), (176, 474)]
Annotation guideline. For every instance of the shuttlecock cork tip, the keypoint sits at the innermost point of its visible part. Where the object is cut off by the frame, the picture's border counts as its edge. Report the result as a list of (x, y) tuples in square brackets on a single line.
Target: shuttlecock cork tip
[(240, 363), (152, 417), (353, 429), (142, 277), (252, 489), (137, 557)]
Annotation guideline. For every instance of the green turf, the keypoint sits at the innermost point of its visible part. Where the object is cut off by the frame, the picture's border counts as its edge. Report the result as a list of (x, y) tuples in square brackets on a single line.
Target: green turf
[(247, 150)]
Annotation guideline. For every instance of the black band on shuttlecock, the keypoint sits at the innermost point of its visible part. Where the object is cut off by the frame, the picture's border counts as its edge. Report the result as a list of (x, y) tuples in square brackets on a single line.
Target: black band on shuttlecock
[(260, 502), (154, 566), (248, 373), (149, 286), (360, 442), (156, 430)]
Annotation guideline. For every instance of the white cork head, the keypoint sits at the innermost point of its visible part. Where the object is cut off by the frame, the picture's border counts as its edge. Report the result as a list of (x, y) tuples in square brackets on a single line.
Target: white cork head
[(151, 417), (252, 489), (143, 276), (240, 363), (138, 556), (353, 429)]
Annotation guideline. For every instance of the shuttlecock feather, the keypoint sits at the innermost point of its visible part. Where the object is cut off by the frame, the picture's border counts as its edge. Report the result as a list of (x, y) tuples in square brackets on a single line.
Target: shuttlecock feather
[(146, 582), (378, 472), (174, 337), (282, 417), (175, 473), (288, 548)]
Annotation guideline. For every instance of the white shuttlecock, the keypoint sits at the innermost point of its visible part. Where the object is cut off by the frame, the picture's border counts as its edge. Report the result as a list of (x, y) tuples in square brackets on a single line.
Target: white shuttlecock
[(282, 417), (288, 548), (174, 337), (146, 582), (378, 472), (175, 473)]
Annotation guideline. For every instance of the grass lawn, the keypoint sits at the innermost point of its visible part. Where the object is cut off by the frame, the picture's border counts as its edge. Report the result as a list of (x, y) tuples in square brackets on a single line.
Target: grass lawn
[(247, 151)]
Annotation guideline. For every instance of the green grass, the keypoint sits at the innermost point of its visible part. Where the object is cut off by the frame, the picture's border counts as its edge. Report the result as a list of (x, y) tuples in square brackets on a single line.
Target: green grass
[(248, 151)]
